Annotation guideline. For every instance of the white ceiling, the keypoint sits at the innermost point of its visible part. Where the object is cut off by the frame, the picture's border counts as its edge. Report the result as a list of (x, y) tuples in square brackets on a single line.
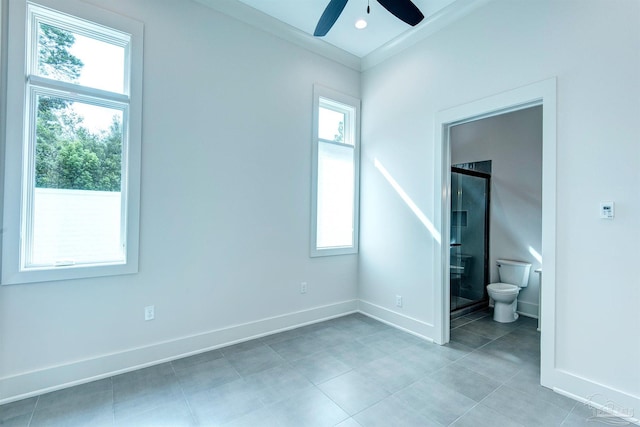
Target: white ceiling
[(386, 35), (382, 25)]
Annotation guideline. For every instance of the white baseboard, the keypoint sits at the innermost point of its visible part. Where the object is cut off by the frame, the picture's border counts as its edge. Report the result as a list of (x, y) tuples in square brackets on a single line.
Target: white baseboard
[(531, 316), (33, 383), (598, 396), (528, 309), (408, 324), (604, 401)]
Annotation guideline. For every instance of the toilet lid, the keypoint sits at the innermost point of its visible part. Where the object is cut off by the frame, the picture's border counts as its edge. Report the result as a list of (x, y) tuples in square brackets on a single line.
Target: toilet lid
[(504, 288)]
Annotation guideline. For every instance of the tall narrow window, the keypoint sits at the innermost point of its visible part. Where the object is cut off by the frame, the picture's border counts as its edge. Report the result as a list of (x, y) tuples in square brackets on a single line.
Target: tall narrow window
[(335, 174), (79, 151)]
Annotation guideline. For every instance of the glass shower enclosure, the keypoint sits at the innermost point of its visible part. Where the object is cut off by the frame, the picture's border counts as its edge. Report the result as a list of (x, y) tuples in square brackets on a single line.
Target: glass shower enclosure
[(469, 242)]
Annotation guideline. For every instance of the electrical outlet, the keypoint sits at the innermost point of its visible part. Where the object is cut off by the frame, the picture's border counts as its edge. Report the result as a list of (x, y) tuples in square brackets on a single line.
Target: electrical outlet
[(149, 312), (303, 287), (398, 301)]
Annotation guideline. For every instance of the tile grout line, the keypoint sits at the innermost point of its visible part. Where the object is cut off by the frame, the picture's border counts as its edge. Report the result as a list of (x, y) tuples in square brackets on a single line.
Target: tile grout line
[(504, 415), (184, 395), (113, 401), (506, 386), (477, 373), (466, 412), (33, 411), (334, 402)]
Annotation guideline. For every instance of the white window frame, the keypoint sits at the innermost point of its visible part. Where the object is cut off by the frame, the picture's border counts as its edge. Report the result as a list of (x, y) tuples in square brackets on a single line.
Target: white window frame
[(352, 131), (19, 141)]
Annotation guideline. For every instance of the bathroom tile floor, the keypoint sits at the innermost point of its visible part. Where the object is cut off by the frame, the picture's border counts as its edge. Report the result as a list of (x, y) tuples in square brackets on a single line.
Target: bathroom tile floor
[(350, 371)]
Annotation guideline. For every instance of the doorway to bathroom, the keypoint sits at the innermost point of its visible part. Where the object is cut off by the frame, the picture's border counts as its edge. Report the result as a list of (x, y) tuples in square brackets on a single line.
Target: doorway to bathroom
[(542, 94), (469, 237), (513, 142)]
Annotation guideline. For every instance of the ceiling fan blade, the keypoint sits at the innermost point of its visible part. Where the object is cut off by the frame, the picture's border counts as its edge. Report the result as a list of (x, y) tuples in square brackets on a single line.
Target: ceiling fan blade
[(329, 17), (404, 10)]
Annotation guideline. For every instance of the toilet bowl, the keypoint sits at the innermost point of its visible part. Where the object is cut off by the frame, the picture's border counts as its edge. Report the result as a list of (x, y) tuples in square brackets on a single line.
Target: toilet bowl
[(513, 275), (505, 300)]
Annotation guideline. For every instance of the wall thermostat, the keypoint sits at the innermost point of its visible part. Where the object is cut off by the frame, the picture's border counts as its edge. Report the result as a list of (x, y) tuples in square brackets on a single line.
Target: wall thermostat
[(607, 210)]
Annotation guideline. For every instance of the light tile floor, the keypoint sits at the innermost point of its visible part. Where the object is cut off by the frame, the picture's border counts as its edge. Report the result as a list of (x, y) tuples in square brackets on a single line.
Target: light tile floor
[(350, 371)]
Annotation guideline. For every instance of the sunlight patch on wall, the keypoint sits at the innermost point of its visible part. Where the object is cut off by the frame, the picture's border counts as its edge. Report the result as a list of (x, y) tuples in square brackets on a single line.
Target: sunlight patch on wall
[(535, 254), (410, 203)]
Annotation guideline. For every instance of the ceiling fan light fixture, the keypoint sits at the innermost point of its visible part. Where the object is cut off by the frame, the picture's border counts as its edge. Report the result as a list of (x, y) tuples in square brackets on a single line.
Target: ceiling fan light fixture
[(404, 10), (361, 24)]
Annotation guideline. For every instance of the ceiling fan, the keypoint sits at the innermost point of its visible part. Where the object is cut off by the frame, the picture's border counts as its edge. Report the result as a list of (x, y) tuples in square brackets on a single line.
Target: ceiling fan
[(404, 10)]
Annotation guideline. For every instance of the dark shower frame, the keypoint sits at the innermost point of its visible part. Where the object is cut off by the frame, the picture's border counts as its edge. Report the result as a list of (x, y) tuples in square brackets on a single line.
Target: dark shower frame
[(484, 302)]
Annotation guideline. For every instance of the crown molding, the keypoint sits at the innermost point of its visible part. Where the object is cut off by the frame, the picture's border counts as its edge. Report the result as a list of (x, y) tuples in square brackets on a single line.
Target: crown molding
[(258, 19), (431, 25), (434, 23)]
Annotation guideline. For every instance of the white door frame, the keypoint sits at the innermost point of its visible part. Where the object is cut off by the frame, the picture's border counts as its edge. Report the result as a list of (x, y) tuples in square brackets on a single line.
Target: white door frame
[(540, 93)]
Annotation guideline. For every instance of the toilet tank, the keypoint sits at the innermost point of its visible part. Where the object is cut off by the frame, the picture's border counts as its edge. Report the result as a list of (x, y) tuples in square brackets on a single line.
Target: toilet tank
[(514, 272)]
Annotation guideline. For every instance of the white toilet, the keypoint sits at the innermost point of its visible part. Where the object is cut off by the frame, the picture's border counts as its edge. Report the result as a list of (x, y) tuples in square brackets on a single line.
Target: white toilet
[(513, 276)]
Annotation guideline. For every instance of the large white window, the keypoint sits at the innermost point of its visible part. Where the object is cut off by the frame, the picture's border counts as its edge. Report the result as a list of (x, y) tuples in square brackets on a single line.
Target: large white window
[(334, 225), (71, 200)]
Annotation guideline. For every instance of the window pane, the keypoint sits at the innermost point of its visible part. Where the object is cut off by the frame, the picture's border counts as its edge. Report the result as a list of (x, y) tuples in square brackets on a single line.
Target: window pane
[(335, 195), (76, 200), (331, 125), (78, 145), (74, 58)]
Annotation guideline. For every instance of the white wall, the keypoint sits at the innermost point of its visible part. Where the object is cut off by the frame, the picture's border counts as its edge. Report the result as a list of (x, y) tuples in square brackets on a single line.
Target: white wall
[(225, 192), (224, 213), (513, 142), (593, 47)]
